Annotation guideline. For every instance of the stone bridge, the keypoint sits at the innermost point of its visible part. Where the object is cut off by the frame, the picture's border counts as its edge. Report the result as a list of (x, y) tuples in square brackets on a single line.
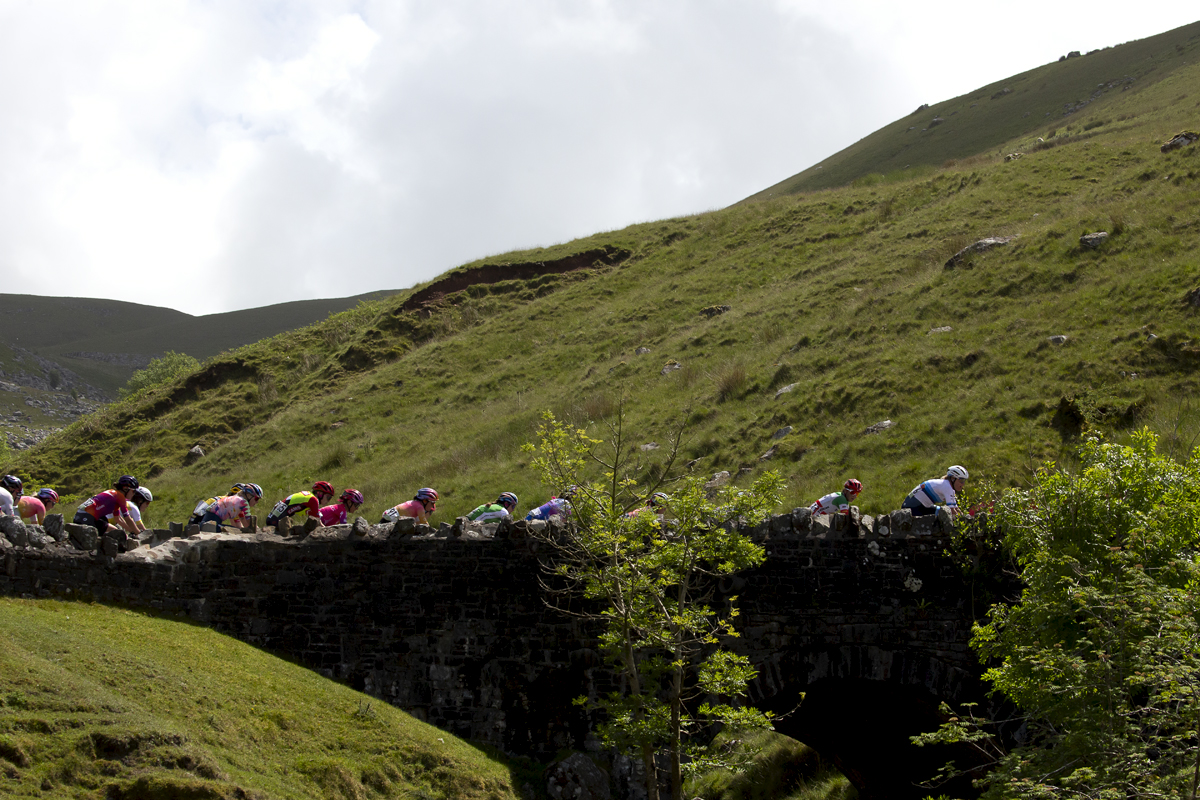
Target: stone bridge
[(868, 626)]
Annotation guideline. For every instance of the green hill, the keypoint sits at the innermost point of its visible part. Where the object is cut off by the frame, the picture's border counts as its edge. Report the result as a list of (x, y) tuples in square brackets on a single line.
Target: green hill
[(1054, 100), (841, 294), (102, 702)]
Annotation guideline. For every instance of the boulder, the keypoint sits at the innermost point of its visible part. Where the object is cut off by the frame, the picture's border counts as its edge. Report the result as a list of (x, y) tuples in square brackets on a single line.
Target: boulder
[(1093, 240), (193, 455), (902, 521), (14, 530), (782, 432), (311, 524), (1180, 140), (404, 526), (713, 311), (284, 526), (1057, 339), (84, 537), (718, 480), (577, 777), (981, 246), (879, 426), (802, 518), (37, 537), (785, 390), (769, 454), (53, 525), (360, 527), (670, 367), (641, 351)]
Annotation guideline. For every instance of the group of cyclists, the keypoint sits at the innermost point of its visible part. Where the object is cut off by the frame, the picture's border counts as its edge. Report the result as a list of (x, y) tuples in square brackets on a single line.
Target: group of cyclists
[(122, 506)]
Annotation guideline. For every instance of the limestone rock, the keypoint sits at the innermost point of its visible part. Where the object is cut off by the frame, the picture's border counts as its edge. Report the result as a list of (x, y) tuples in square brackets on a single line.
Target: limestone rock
[(879, 426), (945, 519), (1180, 140), (82, 536), (284, 526), (648, 446), (53, 525), (1057, 339), (713, 311), (802, 518), (902, 521), (311, 524), (1093, 240), (37, 537), (769, 454), (641, 351), (782, 432), (208, 527), (360, 527), (14, 529), (981, 246), (785, 390), (1013, 156), (943, 329), (194, 455), (718, 480), (670, 367), (577, 777), (404, 527)]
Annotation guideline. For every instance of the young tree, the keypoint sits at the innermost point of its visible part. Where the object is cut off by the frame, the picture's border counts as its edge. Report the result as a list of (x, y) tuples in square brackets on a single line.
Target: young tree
[(1102, 652), (654, 580), (160, 370)]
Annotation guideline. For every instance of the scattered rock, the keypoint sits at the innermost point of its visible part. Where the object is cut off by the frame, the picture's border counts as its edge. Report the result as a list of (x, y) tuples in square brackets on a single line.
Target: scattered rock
[(194, 455), (577, 777), (713, 311), (782, 432), (943, 329), (1192, 298), (53, 525), (670, 367), (1180, 140), (879, 426), (980, 246), (648, 446), (82, 536), (785, 389), (718, 480), (1013, 156), (641, 351), (1093, 240), (1058, 339), (769, 454)]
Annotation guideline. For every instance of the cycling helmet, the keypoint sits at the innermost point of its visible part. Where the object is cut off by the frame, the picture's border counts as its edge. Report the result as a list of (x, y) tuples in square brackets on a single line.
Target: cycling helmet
[(658, 497), (507, 499), (237, 487), (12, 483), (352, 496), (127, 482), (143, 494), (252, 489), (427, 494), (853, 486), (47, 495), (957, 472), (323, 487), (569, 492)]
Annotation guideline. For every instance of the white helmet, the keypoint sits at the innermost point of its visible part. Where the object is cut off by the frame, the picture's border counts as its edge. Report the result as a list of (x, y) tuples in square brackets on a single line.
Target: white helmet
[(144, 493), (957, 472)]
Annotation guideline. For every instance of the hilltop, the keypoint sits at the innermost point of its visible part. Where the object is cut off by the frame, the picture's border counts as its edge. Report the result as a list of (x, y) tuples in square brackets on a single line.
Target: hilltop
[(779, 333)]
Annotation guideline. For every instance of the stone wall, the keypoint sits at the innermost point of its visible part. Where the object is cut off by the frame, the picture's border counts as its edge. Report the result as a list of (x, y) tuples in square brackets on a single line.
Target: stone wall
[(451, 625)]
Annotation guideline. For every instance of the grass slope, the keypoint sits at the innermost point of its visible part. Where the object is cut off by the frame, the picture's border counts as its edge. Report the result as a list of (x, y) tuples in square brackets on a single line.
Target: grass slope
[(837, 292), (1007, 115), (101, 702)]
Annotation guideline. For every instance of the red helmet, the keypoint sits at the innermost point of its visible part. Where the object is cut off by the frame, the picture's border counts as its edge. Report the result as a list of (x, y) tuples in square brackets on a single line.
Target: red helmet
[(351, 496), (323, 487), (852, 486)]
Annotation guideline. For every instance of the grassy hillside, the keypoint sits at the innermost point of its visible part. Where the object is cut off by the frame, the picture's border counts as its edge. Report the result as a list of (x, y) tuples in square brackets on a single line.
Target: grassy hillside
[(1007, 115), (842, 293), (101, 702)]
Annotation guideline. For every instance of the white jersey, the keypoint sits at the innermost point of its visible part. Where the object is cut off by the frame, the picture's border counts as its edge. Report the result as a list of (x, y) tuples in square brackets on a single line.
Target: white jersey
[(134, 513), (934, 493), (830, 504), (6, 503)]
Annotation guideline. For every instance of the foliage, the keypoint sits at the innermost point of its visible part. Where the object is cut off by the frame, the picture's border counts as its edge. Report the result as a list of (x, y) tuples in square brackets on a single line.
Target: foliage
[(170, 366), (654, 579), (1102, 652), (776, 768)]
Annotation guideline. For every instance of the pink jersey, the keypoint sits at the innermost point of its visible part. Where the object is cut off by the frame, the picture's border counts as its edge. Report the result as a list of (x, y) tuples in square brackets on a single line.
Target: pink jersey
[(333, 515), (106, 504), (413, 508), (233, 508), (31, 509)]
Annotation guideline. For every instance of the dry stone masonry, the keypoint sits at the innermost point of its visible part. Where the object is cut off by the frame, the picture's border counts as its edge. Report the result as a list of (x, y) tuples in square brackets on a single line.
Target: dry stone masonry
[(866, 620)]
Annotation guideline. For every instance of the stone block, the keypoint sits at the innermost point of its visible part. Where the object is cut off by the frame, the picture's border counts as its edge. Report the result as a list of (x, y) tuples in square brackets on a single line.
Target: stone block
[(109, 546), (802, 518), (284, 526), (405, 526), (191, 530), (208, 527), (53, 524), (945, 520), (923, 525), (460, 524), (14, 530), (360, 527), (37, 537), (781, 524), (311, 524), (577, 777), (504, 529), (82, 536), (902, 521)]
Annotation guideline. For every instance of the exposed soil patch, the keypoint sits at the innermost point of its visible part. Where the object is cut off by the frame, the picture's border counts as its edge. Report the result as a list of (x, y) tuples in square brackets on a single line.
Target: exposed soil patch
[(494, 273)]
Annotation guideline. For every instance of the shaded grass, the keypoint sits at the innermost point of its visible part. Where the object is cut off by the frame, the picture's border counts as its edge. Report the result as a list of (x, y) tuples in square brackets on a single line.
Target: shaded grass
[(779, 768), (96, 701)]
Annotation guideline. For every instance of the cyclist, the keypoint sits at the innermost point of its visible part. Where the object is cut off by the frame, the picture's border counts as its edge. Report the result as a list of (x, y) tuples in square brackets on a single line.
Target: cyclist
[(926, 497), (655, 505), (838, 502), (232, 509), (34, 507), (115, 501), (505, 504), (419, 508), (310, 502), (556, 506), (10, 493), (141, 498), (349, 502)]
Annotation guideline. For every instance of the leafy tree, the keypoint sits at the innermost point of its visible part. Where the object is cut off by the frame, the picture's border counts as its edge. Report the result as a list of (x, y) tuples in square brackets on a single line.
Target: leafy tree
[(160, 370), (1102, 651), (654, 581)]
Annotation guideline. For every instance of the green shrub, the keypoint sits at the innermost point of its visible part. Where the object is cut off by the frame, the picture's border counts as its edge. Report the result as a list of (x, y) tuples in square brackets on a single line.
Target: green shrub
[(172, 365)]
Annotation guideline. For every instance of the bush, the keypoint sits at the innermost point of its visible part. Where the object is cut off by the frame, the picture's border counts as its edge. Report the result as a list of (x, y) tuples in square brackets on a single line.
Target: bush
[(160, 370)]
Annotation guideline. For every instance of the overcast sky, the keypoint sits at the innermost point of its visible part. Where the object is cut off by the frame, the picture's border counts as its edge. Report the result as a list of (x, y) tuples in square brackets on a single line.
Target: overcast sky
[(209, 155)]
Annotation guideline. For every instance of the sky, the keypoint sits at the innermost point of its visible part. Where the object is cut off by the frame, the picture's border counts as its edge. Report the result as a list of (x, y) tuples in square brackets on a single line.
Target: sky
[(212, 155)]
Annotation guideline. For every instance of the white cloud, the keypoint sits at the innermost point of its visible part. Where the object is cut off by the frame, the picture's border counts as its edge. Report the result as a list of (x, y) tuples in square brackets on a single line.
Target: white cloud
[(243, 152)]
